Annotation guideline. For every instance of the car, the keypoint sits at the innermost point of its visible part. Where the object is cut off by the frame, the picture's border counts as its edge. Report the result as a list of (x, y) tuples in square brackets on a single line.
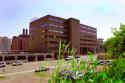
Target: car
[(40, 69), (109, 62), (77, 57), (2, 64), (65, 73), (69, 58), (102, 62), (17, 63), (71, 75)]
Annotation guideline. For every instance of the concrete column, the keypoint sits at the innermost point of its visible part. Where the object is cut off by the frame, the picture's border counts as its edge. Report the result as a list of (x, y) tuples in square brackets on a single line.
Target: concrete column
[(15, 58), (44, 57), (3, 58), (36, 58), (52, 55), (26, 58)]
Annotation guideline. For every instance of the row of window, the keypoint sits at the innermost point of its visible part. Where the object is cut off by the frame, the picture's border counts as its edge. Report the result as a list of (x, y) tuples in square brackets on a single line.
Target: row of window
[(53, 25), (53, 19), (89, 44), (92, 40), (88, 28), (53, 42), (88, 40), (92, 37), (87, 32), (84, 36), (52, 36), (83, 39), (44, 25), (53, 48), (83, 44), (56, 31)]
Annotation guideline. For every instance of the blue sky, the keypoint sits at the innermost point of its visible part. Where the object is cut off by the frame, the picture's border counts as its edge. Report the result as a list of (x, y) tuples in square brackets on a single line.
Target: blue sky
[(102, 14)]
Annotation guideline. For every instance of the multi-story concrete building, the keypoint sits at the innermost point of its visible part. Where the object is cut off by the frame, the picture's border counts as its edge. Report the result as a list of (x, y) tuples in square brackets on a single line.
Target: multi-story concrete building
[(21, 42), (46, 32), (100, 48), (5, 44)]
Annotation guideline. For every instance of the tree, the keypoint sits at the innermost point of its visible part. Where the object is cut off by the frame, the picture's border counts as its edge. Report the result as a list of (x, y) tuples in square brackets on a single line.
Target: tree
[(115, 45)]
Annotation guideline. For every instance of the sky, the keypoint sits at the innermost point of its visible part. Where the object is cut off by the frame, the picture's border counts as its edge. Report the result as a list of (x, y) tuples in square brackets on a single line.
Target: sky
[(101, 14)]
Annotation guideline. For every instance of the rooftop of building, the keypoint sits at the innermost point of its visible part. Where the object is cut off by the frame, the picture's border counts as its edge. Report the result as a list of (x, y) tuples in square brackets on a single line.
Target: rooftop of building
[(47, 16)]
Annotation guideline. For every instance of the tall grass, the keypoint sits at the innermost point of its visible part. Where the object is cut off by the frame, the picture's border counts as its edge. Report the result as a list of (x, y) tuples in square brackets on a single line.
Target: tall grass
[(114, 73)]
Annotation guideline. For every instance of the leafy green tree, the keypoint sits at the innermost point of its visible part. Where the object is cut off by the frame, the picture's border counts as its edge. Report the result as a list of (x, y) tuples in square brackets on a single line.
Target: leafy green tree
[(115, 45)]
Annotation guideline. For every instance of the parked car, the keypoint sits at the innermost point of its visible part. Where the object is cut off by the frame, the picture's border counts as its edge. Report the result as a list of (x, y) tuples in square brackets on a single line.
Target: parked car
[(71, 75), (102, 62), (77, 57), (109, 62), (17, 63), (2, 64), (39, 69), (69, 58)]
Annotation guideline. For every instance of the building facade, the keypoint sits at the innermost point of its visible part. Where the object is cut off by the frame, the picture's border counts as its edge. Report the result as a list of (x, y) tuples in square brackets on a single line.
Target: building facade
[(5, 44), (100, 48), (46, 32), (20, 43)]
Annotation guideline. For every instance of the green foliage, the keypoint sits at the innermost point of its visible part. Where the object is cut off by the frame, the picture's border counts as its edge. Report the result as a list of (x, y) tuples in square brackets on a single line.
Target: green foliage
[(115, 46), (118, 69), (114, 73)]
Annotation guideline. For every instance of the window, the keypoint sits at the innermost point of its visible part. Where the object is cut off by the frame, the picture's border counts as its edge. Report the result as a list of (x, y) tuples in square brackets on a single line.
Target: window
[(53, 42), (44, 25), (50, 36), (42, 36), (54, 25), (60, 31), (31, 29), (56, 31), (83, 44), (42, 31), (45, 42), (63, 37), (52, 19), (53, 48), (87, 32), (88, 28), (83, 39), (45, 36)]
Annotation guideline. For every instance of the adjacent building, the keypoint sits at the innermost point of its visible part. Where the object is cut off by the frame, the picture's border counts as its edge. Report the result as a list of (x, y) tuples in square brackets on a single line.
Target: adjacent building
[(20, 43), (5, 44), (46, 32), (100, 48)]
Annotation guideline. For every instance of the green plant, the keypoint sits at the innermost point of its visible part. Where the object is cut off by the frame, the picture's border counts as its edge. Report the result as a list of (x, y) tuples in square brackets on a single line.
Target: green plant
[(115, 46), (61, 52), (75, 66), (114, 73), (118, 69)]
